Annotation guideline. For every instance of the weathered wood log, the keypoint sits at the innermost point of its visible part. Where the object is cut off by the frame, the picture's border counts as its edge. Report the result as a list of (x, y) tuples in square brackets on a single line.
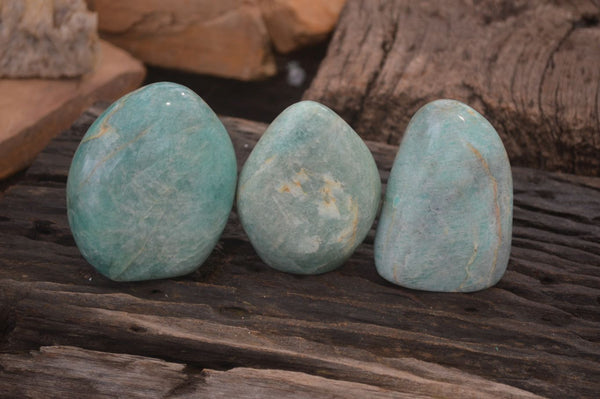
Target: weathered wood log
[(538, 329), (68, 372), (531, 67), (71, 372)]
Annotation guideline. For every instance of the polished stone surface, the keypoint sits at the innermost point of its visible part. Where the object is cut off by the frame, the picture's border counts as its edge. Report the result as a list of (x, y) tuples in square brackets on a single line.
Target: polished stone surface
[(309, 192), (446, 220), (151, 185)]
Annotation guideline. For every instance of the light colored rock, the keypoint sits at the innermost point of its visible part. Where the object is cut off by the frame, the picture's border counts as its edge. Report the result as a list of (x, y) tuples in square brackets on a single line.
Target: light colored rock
[(32, 111), (226, 38), (296, 23), (47, 38), (446, 221), (151, 185), (308, 194)]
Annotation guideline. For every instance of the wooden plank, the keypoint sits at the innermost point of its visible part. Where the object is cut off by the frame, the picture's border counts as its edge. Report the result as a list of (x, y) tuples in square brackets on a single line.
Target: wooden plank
[(538, 329), (68, 372), (208, 340), (63, 371), (532, 68)]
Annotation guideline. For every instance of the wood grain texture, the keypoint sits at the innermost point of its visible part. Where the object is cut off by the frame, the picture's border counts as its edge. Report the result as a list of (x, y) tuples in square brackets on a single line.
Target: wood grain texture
[(63, 371), (531, 67), (537, 330), (68, 372)]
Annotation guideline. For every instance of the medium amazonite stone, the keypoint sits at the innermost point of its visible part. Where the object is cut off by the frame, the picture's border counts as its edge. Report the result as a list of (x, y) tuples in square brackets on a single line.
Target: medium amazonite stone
[(446, 220), (309, 192), (151, 185)]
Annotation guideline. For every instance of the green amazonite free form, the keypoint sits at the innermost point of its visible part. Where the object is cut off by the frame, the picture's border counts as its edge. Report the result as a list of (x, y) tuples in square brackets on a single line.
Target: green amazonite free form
[(151, 185), (446, 221), (309, 192)]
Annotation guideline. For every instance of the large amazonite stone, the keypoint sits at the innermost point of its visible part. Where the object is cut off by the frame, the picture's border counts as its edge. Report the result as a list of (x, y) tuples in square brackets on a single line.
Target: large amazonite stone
[(151, 185), (447, 215), (309, 192)]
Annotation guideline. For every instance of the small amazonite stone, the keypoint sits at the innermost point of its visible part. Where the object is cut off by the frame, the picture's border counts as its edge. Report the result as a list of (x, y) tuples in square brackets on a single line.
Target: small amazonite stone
[(309, 192), (151, 185), (446, 220)]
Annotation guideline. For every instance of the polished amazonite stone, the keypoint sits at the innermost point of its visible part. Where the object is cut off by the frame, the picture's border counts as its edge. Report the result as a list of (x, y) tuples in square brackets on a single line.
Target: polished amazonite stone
[(446, 220), (151, 185), (309, 192)]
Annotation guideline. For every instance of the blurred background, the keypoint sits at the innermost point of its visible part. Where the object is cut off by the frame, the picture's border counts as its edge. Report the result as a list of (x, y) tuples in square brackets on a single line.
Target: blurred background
[(245, 58), (249, 59)]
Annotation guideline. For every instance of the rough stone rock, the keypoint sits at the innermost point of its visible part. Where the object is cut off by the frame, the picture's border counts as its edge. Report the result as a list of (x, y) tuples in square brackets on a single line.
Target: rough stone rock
[(47, 38), (446, 221), (226, 38), (151, 185), (295, 23), (309, 192)]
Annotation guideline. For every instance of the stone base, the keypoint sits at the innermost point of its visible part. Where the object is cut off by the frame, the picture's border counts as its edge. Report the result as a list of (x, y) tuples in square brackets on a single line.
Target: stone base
[(225, 38), (228, 38), (33, 111), (293, 24)]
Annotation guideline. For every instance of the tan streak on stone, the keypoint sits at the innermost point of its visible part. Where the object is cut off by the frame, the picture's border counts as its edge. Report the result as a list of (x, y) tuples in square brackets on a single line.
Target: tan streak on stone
[(352, 234), (486, 168), (469, 263), (103, 130), (112, 154), (257, 172)]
